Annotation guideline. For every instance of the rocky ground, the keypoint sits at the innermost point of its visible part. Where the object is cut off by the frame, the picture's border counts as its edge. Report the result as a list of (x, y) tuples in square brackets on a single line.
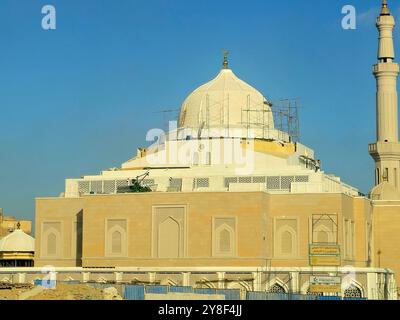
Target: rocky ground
[(61, 292)]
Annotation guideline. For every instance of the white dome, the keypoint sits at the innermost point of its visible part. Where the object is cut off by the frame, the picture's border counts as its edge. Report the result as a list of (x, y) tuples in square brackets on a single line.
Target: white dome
[(17, 241), (226, 102)]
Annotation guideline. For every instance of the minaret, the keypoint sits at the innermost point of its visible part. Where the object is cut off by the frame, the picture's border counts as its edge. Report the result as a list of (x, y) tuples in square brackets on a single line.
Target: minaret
[(386, 151)]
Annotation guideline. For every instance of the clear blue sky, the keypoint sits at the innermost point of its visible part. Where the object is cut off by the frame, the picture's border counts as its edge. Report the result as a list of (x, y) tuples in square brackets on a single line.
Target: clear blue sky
[(81, 98)]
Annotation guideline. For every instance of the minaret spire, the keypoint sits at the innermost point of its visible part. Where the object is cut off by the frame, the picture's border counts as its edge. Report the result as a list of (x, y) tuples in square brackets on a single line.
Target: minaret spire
[(385, 24), (385, 10), (386, 151), (225, 64)]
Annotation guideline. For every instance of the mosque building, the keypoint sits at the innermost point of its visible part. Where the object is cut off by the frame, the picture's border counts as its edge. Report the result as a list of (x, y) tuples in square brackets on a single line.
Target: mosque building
[(17, 249), (228, 198)]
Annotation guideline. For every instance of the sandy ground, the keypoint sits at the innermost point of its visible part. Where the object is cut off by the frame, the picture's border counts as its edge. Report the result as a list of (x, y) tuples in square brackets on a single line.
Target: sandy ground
[(10, 294), (61, 292)]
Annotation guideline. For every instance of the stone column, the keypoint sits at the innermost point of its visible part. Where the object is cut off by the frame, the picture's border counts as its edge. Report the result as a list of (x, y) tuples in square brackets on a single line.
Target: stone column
[(221, 280), (21, 277), (118, 277), (186, 279), (85, 277), (257, 285), (372, 284), (152, 277), (294, 282), (392, 287)]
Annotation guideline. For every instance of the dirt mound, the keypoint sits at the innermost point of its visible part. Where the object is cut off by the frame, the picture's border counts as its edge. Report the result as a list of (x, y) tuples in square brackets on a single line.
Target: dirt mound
[(70, 292), (61, 292), (10, 294)]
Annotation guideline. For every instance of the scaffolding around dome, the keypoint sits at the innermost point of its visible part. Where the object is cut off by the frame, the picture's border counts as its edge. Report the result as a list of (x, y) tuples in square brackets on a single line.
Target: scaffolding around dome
[(254, 123)]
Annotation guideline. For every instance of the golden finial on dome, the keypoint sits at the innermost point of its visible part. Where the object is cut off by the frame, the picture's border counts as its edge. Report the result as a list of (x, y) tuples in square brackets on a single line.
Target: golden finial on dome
[(385, 9), (225, 64)]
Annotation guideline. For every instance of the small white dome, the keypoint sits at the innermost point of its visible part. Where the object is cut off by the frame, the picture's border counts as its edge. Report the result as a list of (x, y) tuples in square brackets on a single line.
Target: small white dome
[(17, 241), (226, 102)]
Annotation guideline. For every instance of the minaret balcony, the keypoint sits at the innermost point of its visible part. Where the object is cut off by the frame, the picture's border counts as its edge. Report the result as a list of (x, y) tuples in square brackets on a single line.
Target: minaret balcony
[(384, 150), (386, 67), (372, 148)]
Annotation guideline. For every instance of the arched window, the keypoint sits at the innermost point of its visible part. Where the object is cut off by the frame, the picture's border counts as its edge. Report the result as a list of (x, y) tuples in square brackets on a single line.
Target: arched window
[(51, 244), (378, 177), (386, 175), (323, 234), (352, 292), (116, 242), (286, 243), (224, 240), (169, 239), (51, 240)]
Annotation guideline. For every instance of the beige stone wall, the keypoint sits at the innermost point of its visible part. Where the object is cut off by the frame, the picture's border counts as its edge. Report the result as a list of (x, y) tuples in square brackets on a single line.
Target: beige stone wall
[(259, 224), (60, 212), (386, 226), (200, 210), (303, 206)]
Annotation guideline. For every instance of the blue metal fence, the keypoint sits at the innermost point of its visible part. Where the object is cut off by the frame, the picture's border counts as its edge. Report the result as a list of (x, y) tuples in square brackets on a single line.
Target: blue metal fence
[(329, 298), (157, 289), (137, 292), (132, 292), (277, 296), (230, 294), (256, 295), (180, 289), (204, 291), (303, 297), (266, 296)]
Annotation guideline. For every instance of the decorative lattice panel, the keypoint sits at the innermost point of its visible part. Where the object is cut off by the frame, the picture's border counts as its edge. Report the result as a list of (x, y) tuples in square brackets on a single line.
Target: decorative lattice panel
[(286, 182), (122, 185), (96, 186), (352, 292), (83, 186), (273, 183), (109, 186), (301, 178), (245, 180), (276, 288), (258, 179), (175, 183), (202, 182)]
